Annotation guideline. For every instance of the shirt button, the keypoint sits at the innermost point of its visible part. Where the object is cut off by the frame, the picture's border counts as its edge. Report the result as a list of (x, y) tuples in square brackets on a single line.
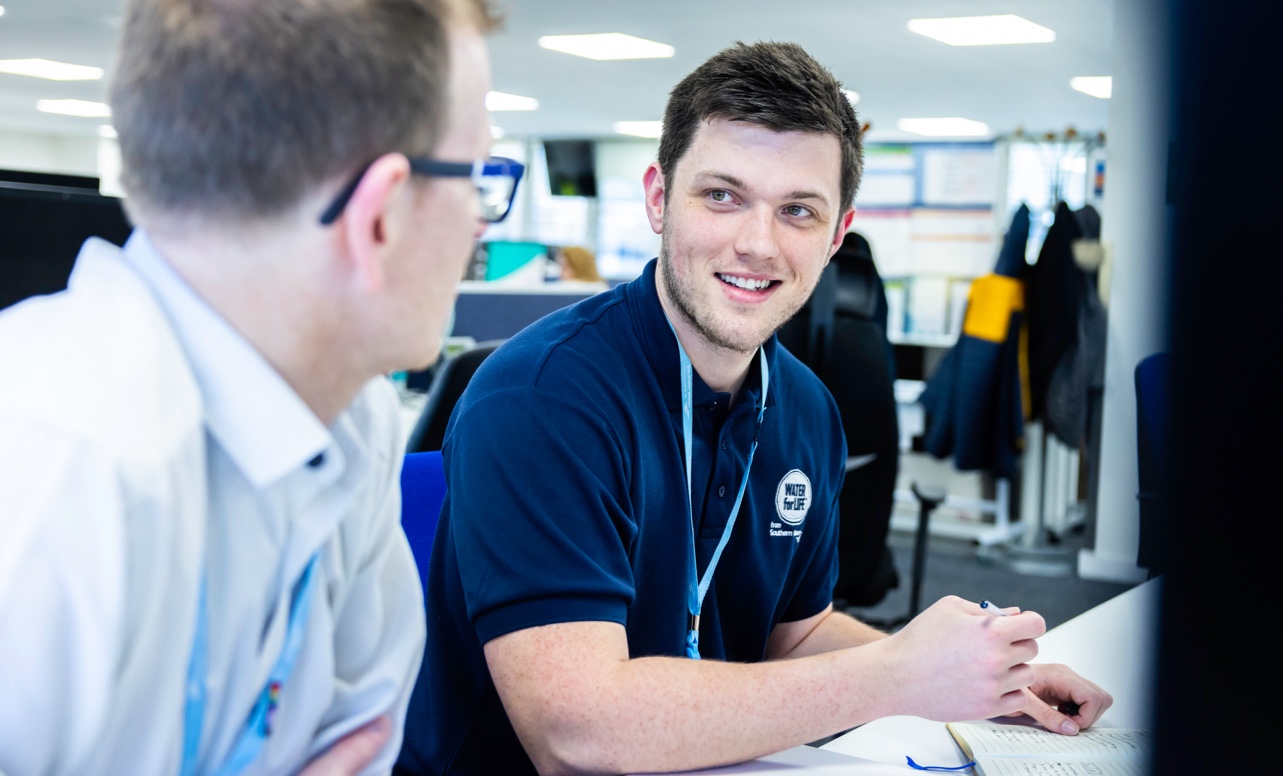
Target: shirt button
[(721, 491), (317, 461)]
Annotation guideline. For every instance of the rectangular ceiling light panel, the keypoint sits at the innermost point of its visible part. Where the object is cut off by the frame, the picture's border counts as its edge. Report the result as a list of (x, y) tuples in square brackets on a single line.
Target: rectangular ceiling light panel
[(1101, 86), (96, 110), (639, 128), (944, 127), (607, 45), (496, 101), (47, 68), (1004, 29)]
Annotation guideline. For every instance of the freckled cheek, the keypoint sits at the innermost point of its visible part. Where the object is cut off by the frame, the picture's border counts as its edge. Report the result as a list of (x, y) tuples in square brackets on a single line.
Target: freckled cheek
[(807, 257), (710, 239)]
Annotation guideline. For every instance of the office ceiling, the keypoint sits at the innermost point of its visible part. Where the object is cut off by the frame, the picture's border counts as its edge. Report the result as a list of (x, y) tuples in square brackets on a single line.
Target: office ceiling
[(866, 43)]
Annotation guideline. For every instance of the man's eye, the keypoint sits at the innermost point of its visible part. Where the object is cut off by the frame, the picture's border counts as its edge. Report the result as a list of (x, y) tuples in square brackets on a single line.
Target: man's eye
[(719, 195), (798, 211)]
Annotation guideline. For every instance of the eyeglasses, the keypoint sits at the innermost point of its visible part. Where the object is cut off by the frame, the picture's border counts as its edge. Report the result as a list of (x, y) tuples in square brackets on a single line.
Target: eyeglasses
[(496, 180)]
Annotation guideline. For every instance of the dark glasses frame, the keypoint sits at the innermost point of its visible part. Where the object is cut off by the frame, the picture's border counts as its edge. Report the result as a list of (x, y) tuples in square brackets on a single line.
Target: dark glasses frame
[(478, 171)]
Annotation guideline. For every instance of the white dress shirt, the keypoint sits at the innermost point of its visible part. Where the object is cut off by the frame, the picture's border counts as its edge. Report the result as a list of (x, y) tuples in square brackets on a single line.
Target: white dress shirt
[(145, 443)]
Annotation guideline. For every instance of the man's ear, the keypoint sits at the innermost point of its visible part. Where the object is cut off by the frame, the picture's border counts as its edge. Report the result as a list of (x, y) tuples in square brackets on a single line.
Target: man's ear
[(372, 222), (844, 225), (653, 183)]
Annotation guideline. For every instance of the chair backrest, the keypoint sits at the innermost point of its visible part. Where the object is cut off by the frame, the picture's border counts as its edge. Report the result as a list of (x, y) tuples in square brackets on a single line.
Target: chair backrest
[(447, 386), (422, 492), (808, 335), (863, 386), (842, 338), (859, 287)]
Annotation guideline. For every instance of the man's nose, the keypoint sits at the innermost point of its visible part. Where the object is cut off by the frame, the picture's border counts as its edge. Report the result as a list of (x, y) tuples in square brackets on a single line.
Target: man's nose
[(756, 237)]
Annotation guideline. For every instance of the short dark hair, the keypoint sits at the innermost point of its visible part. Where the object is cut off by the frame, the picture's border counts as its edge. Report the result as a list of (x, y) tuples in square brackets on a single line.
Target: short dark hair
[(775, 85), (237, 108)]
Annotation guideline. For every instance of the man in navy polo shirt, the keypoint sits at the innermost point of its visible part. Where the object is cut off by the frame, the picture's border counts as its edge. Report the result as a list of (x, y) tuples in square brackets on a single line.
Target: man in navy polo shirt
[(648, 477)]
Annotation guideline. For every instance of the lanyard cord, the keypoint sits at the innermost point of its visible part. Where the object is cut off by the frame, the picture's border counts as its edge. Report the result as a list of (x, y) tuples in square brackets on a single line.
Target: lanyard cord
[(258, 726), (194, 707), (698, 587)]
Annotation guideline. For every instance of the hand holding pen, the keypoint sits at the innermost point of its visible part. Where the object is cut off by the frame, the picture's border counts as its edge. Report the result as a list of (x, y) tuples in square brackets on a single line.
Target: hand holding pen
[(1059, 699), (958, 662)]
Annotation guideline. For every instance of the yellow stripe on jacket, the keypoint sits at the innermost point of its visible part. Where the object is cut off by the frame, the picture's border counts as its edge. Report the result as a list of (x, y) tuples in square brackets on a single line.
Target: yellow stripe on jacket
[(990, 304)]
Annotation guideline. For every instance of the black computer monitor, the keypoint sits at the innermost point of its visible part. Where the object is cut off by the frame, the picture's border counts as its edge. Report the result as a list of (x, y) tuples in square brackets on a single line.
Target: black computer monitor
[(571, 168), (44, 219)]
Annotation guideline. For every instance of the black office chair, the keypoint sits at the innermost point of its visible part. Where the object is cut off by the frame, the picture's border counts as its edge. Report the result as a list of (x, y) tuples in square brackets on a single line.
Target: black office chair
[(850, 354), (447, 386), (862, 378), (809, 334)]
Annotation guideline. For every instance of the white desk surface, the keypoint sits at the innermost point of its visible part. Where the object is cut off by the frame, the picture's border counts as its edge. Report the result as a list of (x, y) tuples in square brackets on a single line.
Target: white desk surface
[(802, 760), (1111, 645)]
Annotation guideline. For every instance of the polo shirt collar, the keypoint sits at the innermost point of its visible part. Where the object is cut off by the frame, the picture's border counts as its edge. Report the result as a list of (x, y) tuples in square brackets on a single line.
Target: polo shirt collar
[(660, 344), (261, 423)]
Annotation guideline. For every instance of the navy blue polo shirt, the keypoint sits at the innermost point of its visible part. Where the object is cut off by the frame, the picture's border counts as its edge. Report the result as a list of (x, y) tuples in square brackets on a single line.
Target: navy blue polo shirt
[(566, 502)]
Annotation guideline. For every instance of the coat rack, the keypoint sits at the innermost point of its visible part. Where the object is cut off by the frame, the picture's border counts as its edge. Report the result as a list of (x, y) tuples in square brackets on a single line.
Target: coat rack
[(1056, 146)]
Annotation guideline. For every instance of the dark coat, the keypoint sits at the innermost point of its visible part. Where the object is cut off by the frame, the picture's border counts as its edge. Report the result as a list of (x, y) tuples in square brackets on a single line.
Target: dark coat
[(973, 401)]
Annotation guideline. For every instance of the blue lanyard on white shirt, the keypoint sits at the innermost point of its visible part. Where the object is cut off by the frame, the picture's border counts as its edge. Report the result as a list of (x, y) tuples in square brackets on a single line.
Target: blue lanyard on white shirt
[(259, 724), (698, 587)]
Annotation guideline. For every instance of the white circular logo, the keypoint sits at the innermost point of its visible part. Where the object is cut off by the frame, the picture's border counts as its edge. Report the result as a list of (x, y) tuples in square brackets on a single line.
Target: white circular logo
[(793, 497)]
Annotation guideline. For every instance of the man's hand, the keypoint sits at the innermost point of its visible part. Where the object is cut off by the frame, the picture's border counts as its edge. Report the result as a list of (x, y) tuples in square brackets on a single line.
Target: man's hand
[(957, 662), (1062, 701), (353, 752)]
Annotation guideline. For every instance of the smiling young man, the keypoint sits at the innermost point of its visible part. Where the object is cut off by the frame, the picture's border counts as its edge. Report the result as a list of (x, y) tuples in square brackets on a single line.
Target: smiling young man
[(202, 568), (647, 478)]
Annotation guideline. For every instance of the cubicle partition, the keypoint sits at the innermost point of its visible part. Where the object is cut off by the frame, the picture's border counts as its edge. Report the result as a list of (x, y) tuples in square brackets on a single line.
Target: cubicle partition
[(486, 311)]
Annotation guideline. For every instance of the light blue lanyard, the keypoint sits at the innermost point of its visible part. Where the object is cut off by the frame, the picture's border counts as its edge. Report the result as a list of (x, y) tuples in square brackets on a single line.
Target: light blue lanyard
[(259, 724), (697, 589)]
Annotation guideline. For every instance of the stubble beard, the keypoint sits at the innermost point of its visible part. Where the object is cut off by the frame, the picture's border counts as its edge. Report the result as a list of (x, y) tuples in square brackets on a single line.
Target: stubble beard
[(705, 326)]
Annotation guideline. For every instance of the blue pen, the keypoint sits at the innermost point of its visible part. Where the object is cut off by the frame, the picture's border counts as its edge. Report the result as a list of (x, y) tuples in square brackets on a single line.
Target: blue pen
[(993, 608)]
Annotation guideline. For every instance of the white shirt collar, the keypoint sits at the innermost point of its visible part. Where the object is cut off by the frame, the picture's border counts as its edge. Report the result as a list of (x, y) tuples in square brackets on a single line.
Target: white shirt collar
[(256, 416)]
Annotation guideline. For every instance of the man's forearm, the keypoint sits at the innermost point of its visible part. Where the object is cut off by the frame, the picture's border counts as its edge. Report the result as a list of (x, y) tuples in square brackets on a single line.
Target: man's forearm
[(660, 714), (833, 631)]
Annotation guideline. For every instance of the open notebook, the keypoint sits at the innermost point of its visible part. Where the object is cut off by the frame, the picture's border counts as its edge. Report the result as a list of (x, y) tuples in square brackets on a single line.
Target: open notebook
[(1014, 749)]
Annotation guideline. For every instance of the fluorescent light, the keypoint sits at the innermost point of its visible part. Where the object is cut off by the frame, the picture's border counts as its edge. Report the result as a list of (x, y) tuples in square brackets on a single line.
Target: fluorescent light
[(639, 128), (982, 30), (607, 45), (503, 101), (46, 68), (107, 131), (1, 10), (1101, 86), (852, 97), (94, 110), (944, 127)]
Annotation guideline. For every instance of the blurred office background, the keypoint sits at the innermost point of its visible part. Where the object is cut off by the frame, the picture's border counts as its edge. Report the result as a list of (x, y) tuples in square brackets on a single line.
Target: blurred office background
[(961, 132), (935, 208)]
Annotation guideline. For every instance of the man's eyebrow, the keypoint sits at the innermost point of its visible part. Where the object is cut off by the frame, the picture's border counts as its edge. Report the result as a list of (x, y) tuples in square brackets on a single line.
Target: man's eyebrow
[(721, 176), (738, 183), (804, 194)]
